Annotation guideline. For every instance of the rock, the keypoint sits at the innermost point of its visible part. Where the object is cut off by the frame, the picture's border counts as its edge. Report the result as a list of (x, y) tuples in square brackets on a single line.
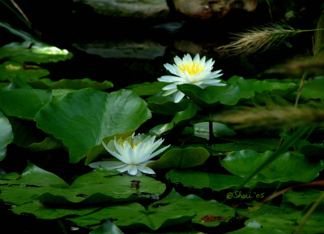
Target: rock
[(135, 9), (145, 49), (204, 9)]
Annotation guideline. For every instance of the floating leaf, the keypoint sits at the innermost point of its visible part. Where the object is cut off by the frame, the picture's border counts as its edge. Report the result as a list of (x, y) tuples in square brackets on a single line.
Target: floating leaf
[(313, 89), (24, 103), (14, 70), (165, 104), (181, 158), (77, 84), (171, 210), (204, 180), (34, 52), (107, 228), (146, 88), (287, 167), (180, 118), (202, 130), (6, 135), (301, 198), (237, 88), (84, 118), (36, 184)]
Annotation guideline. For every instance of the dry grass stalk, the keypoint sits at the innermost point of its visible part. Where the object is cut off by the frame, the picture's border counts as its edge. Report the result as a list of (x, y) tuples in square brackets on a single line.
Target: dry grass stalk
[(258, 38), (275, 118)]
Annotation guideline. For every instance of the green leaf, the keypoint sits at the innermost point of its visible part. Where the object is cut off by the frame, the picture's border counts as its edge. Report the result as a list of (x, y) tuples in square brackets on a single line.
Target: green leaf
[(83, 119), (180, 118), (316, 218), (202, 130), (165, 104), (146, 88), (33, 52), (301, 198), (15, 71), (204, 180), (24, 103), (313, 89), (107, 228), (237, 88), (287, 167), (257, 144), (314, 151), (181, 158), (36, 184), (46, 212), (171, 210), (77, 84), (6, 135)]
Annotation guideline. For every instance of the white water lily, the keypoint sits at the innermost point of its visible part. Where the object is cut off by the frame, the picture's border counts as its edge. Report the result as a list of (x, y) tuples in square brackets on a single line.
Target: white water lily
[(134, 153), (188, 71)]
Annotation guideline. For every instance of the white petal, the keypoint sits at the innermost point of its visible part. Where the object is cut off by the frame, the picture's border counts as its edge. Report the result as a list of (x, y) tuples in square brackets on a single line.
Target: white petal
[(145, 169), (178, 97), (177, 60), (116, 155), (169, 92), (123, 168), (202, 61), (130, 152), (170, 68), (171, 86), (122, 152), (132, 169), (196, 58), (170, 79), (158, 152)]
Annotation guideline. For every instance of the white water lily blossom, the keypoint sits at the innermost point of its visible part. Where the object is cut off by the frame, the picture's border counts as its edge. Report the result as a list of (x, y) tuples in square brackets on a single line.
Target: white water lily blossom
[(134, 153), (188, 71)]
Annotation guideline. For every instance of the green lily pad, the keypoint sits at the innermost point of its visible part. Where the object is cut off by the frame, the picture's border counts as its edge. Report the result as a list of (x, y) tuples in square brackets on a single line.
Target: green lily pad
[(36, 184), (15, 71), (6, 135), (202, 130), (287, 167), (172, 210), (315, 219), (180, 118), (205, 180), (107, 227), (257, 144), (313, 89), (24, 103), (46, 212), (83, 119), (77, 84), (146, 88), (165, 104), (237, 88), (301, 198), (181, 158), (34, 52)]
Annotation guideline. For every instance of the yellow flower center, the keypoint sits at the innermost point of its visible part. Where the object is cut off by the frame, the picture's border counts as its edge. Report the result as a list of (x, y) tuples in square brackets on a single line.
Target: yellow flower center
[(192, 67), (133, 143)]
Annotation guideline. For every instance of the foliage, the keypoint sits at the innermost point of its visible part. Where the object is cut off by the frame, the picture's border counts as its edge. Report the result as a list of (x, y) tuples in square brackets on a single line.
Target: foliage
[(212, 176)]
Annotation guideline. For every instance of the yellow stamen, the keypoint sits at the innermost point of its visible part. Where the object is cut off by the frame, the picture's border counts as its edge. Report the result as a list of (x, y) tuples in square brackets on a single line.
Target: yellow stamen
[(192, 67)]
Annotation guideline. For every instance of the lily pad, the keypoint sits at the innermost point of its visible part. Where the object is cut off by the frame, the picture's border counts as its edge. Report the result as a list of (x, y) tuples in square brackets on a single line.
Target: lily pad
[(107, 227), (301, 198), (287, 167), (165, 104), (24, 103), (11, 70), (180, 118), (313, 89), (36, 184), (181, 158), (83, 119), (34, 52), (219, 129), (205, 180), (237, 88), (6, 135), (77, 84), (146, 88), (172, 210)]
